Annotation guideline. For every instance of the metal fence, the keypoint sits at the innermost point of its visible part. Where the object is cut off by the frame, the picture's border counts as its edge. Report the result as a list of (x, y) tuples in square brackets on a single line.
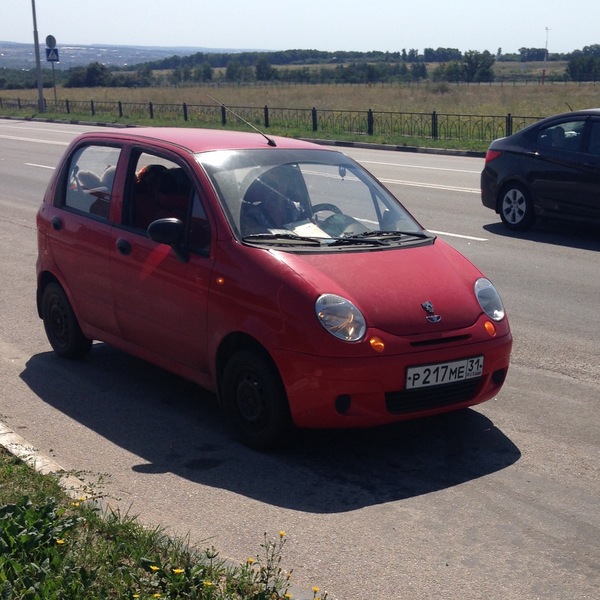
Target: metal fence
[(392, 125)]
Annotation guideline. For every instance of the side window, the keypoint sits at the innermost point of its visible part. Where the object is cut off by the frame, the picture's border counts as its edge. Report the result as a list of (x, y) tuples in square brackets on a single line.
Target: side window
[(159, 188), (90, 180), (566, 136)]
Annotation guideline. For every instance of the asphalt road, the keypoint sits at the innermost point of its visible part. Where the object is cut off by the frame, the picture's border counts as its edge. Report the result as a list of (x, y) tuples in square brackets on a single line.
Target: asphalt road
[(500, 502)]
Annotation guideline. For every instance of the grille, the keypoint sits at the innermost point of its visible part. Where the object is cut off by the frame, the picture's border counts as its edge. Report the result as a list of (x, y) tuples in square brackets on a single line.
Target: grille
[(408, 401)]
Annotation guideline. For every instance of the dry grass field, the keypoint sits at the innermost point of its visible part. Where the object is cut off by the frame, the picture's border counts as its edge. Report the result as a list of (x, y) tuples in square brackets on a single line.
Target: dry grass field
[(492, 102), (531, 99)]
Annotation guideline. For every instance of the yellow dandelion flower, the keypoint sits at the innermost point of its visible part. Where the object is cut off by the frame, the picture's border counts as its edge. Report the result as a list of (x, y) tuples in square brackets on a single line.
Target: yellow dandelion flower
[(315, 589), (287, 596), (157, 595), (60, 542), (207, 583), (250, 561), (282, 534), (154, 568), (75, 504), (178, 571)]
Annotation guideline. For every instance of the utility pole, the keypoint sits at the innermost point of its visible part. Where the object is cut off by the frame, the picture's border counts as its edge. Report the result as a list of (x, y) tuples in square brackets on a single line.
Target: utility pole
[(38, 64)]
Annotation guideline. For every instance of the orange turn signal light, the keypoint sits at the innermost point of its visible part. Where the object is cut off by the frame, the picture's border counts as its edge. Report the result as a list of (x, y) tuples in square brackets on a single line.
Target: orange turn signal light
[(377, 344), (490, 328)]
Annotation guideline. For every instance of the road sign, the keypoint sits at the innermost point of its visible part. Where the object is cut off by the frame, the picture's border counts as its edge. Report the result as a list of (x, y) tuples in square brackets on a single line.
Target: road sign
[(50, 41), (52, 54)]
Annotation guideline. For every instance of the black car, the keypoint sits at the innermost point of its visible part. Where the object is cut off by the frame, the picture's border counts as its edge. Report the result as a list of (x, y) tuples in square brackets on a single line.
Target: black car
[(549, 169)]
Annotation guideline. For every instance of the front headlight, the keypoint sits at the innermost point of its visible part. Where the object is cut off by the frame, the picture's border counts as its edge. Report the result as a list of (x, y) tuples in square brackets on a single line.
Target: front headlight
[(340, 317), (489, 299)]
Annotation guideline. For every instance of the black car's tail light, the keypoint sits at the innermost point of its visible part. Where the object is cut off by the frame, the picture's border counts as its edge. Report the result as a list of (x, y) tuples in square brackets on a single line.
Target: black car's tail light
[(491, 155)]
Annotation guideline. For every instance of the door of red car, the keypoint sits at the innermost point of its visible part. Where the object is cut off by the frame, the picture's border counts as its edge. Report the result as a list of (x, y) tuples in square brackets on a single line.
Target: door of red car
[(160, 300), (564, 175), (79, 233)]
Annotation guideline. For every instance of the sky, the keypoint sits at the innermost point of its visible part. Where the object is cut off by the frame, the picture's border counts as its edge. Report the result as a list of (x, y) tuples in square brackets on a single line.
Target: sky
[(328, 25)]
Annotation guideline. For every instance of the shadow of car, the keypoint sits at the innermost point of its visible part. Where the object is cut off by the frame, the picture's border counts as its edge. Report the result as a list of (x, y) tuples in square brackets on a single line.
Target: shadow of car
[(166, 424)]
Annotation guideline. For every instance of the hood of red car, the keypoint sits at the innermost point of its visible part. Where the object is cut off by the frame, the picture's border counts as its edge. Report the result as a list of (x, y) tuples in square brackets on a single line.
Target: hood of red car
[(391, 286)]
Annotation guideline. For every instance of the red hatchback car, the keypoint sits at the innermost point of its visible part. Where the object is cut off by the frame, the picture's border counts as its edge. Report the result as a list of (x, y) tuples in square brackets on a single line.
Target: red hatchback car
[(277, 273)]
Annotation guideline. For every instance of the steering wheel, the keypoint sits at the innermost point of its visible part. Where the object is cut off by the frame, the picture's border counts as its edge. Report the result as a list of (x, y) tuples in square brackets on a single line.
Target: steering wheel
[(326, 206)]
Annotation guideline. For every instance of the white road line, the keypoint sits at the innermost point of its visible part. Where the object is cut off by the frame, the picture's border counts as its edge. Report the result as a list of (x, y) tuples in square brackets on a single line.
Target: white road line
[(374, 162), (449, 188), (459, 235), (36, 140), (39, 166)]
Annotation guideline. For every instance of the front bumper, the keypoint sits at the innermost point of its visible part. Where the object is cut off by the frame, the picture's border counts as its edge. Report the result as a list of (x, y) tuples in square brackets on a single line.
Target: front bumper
[(369, 391)]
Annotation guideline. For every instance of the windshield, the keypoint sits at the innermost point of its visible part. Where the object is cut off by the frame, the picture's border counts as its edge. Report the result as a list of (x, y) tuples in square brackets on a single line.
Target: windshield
[(306, 198)]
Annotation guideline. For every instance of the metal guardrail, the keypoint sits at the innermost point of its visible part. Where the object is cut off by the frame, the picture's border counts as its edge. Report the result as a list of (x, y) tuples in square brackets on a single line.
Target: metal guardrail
[(395, 125)]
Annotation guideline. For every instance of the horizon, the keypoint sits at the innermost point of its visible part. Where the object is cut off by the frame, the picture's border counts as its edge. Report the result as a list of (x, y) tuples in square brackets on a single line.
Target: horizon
[(272, 25)]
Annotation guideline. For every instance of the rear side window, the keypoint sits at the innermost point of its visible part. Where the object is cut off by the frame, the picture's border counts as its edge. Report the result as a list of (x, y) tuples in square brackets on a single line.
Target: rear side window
[(564, 136), (90, 178)]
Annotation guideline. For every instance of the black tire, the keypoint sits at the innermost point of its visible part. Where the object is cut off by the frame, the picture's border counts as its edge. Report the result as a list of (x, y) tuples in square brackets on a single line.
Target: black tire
[(255, 401), (60, 323), (516, 207)]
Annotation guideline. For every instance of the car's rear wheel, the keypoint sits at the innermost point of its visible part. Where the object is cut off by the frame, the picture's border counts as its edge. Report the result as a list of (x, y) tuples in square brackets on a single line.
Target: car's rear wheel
[(516, 207), (255, 401), (63, 331)]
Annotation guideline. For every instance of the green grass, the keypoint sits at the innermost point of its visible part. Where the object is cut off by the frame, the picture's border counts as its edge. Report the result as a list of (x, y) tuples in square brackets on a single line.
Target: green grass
[(54, 548)]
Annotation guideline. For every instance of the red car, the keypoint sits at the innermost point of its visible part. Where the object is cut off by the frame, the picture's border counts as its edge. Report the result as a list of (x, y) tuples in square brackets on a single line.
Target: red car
[(277, 273)]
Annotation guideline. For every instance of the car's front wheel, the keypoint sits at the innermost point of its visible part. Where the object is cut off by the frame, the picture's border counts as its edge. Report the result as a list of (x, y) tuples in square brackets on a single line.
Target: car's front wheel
[(255, 401), (516, 207), (63, 331)]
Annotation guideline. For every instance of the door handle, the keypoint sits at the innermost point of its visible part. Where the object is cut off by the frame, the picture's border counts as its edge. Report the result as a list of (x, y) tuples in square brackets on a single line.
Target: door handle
[(57, 223), (123, 247)]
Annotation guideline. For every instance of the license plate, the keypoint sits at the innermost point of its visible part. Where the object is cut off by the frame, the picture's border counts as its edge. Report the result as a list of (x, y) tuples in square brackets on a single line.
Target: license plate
[(441, 373)]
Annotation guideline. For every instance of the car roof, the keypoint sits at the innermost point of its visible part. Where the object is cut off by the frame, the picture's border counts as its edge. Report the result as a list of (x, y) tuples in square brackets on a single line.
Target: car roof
[(587, 112), (202, 140)]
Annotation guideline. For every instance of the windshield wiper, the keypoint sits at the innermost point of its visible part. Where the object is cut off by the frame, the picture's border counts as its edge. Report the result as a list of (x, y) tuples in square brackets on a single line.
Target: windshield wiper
[(379, 237), (281, 238)]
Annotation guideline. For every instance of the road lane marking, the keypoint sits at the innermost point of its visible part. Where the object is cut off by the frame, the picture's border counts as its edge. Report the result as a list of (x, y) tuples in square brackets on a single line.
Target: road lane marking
[(435, 186), (459, 235), (386, 164), (36, 140), (39, 166)]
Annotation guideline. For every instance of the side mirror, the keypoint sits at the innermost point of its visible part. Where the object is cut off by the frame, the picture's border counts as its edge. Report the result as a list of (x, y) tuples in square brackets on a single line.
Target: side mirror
[(169, 231)]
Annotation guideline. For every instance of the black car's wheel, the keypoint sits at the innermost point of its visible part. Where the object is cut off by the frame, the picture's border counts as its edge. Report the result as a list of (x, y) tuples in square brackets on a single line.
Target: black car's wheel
[(516, 207), (255, 401), (60, 323)]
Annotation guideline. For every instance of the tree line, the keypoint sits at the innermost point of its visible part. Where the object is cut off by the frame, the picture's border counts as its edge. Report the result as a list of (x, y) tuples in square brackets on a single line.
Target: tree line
[(311, 66)]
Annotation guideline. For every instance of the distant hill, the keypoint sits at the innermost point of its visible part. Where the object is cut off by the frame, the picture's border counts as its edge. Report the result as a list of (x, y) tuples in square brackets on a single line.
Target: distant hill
[(22, 56)]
